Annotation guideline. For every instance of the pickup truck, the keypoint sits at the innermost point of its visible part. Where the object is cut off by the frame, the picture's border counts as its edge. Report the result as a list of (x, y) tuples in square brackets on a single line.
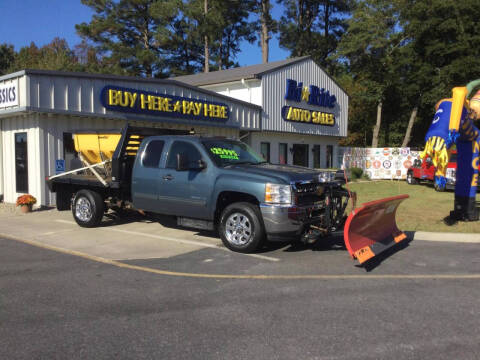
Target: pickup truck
[(208, 183), (424, 170)]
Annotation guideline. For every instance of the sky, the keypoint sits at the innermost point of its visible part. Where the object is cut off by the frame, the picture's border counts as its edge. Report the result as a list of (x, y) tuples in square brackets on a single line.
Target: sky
[(24, 21)]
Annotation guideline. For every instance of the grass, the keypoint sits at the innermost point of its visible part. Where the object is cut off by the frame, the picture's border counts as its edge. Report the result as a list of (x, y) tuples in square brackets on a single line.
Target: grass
[(423, 211)]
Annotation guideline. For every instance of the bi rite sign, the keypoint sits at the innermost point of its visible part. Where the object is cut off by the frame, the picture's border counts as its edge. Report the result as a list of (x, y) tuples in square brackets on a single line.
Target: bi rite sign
[(313, 96), (150, 103)]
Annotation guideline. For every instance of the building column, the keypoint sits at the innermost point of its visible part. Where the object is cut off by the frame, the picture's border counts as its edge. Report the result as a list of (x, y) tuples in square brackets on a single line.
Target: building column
[(1, 161)]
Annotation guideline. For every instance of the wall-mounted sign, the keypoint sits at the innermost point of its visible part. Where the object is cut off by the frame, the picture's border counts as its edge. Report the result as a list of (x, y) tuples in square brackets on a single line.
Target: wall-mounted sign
[(150, 103), (290, 113), (312, 94), (9, 94)]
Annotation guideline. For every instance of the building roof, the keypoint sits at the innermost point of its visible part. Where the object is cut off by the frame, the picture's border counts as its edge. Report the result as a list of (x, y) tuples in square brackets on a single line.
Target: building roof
[(171, 81), (235, 74)]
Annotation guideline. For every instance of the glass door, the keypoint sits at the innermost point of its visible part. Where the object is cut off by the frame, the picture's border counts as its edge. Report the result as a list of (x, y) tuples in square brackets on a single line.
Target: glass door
[(21, 162)]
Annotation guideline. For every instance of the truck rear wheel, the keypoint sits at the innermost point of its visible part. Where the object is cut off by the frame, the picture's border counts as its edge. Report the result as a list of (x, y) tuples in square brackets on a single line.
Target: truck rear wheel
[(88, 208), (240, 227)]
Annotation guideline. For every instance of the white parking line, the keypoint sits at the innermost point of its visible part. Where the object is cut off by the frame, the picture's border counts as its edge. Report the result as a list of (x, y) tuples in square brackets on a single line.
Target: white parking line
[(180, 241)]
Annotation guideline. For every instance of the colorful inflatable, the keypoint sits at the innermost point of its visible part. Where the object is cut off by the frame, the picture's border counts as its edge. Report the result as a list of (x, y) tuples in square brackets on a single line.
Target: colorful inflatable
[(453, 124)]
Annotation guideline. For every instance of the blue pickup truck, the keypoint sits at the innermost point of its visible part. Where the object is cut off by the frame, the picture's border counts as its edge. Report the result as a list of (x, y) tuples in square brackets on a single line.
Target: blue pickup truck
[(208, 183)]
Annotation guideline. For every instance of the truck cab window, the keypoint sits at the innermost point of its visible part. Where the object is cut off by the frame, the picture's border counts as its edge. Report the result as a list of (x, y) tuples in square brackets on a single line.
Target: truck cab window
[(153, 152), (181, 147)]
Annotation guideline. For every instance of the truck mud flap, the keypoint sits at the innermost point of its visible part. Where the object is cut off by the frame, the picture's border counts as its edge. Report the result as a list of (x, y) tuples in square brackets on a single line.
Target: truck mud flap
[(372, 229)]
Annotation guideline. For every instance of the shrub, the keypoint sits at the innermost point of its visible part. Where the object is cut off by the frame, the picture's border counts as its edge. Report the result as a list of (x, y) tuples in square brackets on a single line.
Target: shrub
[(356, 173)]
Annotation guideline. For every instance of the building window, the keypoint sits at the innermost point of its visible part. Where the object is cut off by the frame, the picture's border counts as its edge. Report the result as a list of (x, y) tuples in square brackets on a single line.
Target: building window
[(265, 150), (283, 153), (300, 154), (153, 152), (329, 156), (21, 162), (316, 156)]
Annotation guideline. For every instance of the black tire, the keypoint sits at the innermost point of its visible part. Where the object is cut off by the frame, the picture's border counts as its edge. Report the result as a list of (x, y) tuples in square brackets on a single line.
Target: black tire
[(90, 206), (250, 234), (410, 179), (64, 200)]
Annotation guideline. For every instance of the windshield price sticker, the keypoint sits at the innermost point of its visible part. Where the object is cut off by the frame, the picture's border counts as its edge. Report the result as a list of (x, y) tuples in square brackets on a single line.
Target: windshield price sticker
[(225, 153)]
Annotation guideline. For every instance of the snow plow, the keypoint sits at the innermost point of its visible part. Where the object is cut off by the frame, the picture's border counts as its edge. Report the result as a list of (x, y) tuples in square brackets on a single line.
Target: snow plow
[(371, 229)]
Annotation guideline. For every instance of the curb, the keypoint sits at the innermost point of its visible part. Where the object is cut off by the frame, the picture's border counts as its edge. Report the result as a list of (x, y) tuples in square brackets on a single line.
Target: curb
[(444, 237)]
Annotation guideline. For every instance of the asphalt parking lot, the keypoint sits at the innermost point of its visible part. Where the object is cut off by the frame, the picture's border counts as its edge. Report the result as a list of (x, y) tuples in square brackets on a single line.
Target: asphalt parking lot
[(159, 244), (146, 289)]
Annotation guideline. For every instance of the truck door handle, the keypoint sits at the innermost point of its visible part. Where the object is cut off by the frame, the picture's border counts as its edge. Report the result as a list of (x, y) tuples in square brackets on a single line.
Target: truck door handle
[(168, 177)]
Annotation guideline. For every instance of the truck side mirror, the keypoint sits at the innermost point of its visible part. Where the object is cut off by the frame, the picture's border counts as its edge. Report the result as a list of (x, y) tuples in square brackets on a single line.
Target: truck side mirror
[(182, 162), (201, 165)]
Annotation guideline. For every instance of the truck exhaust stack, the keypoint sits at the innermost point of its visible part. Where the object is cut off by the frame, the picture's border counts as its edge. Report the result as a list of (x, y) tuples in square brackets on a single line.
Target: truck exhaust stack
[(372, 229)]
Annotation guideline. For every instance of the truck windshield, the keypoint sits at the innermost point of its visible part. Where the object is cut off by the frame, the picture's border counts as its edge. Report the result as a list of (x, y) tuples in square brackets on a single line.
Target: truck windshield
[(230, 152)]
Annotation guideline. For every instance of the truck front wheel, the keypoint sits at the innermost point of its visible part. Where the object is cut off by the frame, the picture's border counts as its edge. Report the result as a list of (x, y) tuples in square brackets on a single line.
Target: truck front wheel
[(240, 227), (88, 208)]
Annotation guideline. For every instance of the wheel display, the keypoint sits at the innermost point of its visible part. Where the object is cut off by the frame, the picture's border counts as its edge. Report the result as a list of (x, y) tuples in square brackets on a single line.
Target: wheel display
[(88, 208), (240, 227), (410, 179)]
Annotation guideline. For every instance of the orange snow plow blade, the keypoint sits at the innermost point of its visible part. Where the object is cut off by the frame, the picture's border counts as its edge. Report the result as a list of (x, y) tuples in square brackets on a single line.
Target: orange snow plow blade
[(371, 229)]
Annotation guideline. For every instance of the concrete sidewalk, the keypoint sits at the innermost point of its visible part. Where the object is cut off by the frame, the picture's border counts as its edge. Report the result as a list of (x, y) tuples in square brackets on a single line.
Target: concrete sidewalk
[(136, 237)]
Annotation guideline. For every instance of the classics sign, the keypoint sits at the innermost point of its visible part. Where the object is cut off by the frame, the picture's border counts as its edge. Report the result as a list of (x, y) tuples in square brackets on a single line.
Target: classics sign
[(9, 94)]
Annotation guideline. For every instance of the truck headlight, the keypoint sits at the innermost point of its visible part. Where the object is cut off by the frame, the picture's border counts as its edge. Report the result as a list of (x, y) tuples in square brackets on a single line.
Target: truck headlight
[(278, 194)]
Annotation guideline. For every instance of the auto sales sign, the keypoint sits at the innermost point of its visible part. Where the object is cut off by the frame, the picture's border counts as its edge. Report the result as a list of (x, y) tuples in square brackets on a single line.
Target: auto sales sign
[(9, 94)]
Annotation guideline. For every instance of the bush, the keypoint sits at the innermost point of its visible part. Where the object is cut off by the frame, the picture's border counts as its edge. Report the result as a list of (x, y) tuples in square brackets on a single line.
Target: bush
[(356, 173)]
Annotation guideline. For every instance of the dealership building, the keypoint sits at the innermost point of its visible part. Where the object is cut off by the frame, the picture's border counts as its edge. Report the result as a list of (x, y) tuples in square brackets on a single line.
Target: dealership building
[(291, 111)]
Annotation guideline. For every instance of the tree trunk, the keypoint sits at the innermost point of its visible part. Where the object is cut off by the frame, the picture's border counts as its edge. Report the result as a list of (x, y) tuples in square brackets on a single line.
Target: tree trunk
[(413, 116), (376, 129), (264, 36), (207, 52)]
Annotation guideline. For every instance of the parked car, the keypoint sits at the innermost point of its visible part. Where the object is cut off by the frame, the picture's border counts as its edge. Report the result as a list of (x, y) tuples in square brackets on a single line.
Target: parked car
[(424, 171)]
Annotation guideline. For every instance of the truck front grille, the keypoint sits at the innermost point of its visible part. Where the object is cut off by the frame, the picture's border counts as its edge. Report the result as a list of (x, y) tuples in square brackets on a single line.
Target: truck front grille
[(307, 194)]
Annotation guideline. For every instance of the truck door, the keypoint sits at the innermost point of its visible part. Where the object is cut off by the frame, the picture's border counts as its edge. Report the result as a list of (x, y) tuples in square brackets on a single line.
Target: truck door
[(146, 177), (184, 193)]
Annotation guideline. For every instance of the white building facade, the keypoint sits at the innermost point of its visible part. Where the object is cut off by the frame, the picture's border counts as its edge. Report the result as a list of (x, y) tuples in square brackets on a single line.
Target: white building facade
[(304, 111), (291, 111), (39, 111)]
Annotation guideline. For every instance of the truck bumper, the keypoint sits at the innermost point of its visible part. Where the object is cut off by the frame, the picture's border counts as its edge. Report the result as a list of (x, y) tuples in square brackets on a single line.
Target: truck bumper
[(284, 223)]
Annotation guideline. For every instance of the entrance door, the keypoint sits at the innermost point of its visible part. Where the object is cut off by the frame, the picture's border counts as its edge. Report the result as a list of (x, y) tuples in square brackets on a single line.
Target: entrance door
[(300, 154), (21, 162)]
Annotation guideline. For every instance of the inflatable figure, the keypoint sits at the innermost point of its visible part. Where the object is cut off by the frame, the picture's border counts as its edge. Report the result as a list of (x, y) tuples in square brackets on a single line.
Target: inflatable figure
[(453, 124)]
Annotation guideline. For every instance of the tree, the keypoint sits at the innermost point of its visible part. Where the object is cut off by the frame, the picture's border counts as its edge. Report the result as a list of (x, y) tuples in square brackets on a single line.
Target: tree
[(124, 32), (267, 25), (369, 49), (7, 57), (313, 27), (441, 59), (56, 55)]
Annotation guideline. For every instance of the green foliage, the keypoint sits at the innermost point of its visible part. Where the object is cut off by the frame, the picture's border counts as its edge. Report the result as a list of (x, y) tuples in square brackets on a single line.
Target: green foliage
[(7, 57), (125, 32), (312, 27), (356, 173)]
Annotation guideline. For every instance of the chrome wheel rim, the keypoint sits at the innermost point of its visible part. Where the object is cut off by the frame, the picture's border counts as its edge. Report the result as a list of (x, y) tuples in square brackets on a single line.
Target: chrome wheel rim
[(83, 209), (238, 229)]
